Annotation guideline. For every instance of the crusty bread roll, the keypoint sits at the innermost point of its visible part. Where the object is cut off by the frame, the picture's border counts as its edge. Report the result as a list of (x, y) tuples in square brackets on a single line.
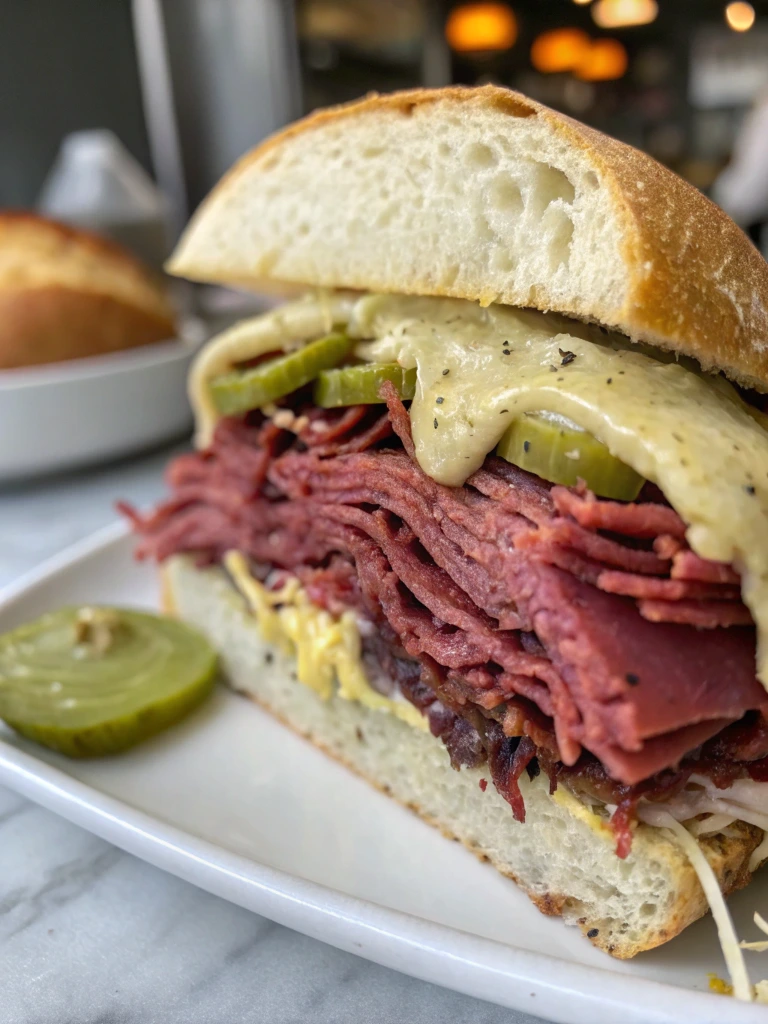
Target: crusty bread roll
[(481, 193), (66, 293), (564, 865)]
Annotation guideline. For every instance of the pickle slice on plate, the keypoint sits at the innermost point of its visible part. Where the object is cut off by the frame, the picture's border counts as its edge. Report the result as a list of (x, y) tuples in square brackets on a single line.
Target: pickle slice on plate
[(359, 385), (242, 390), (91, 681), (557, 450)]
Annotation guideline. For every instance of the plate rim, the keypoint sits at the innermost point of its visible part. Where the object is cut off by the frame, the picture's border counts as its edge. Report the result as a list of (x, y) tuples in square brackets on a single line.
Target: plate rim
[(546, 986)]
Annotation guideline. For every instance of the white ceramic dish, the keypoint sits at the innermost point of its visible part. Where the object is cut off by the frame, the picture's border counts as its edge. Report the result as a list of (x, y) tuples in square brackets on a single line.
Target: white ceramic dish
[(89, 410), (236, 804)]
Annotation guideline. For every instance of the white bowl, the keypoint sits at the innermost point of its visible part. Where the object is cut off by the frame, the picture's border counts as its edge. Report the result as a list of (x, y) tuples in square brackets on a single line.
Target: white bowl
[(85, 411)]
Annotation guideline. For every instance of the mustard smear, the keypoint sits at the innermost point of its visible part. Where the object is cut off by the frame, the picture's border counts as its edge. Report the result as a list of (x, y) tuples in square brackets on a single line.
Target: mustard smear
[(328, 650)]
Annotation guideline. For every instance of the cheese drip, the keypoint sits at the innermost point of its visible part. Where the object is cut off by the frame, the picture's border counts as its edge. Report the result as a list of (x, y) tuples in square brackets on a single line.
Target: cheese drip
[(690, 434), (281, 330), (479, 368)]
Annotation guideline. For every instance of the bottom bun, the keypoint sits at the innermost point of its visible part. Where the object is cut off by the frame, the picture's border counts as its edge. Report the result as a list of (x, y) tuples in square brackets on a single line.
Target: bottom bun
[(562, 856)]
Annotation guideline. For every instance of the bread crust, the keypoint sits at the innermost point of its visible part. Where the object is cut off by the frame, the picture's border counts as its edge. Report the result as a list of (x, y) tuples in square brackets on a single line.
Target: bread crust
[(728, 855), (66, 294), (52, 324), (695, 283)]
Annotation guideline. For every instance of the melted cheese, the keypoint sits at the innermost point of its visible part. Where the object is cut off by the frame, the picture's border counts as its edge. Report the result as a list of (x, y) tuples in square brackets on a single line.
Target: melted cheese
[(327, 649), (280, 330), (689, 433)]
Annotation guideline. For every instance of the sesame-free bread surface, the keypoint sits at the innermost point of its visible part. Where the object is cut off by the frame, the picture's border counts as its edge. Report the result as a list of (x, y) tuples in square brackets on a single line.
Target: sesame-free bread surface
[(483, 194), (67, 293), (564, 865)]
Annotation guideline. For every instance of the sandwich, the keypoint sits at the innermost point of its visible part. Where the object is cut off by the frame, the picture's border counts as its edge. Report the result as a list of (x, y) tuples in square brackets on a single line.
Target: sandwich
[(481, 509), (66, 294)]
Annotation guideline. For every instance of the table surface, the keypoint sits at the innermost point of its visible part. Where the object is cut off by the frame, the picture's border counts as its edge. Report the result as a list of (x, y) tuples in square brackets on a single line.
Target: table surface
[(91, 935)]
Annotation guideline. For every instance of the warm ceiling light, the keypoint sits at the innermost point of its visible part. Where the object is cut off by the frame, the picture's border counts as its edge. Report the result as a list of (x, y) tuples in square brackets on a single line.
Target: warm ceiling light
[(623, 13), (562, 49), (605, 60), (740, 17), (582, 3), (473, 28)]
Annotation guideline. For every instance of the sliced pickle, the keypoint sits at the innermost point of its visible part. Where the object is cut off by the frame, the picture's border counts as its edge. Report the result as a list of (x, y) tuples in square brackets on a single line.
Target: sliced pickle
[(91, 681), (558, 451), (242, 390), (359, 385)]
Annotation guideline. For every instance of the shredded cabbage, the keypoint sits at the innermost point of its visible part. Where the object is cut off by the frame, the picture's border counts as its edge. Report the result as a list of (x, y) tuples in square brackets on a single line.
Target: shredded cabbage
[(710, 825), (758, 947), (744, 800), (734, 958)]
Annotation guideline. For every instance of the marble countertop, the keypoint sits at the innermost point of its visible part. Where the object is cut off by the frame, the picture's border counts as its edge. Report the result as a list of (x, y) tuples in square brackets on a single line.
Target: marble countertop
[(91, 935)]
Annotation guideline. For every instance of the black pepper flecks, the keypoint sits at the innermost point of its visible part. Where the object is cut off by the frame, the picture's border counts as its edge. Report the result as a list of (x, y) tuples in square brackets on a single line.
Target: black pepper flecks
[(749, 488), (446, 372), (526, 446), (609, 380), (593, 933), (269, 657), (632, 679), (503, 411), (567, 357), (435, 422), (440, 400)]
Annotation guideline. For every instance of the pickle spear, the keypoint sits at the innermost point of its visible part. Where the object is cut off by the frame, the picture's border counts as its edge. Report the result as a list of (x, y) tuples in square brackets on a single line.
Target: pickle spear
[(559, 451), (242, 390), (359, 385), (91, 681)]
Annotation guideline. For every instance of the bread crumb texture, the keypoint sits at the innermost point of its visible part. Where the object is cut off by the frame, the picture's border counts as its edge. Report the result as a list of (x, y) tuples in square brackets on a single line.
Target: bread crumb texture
[(564, 864), (482, 194)]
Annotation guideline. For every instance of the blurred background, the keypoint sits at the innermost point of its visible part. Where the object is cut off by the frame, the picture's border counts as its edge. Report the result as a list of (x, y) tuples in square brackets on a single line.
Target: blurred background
[(119, 115), (188, 85)]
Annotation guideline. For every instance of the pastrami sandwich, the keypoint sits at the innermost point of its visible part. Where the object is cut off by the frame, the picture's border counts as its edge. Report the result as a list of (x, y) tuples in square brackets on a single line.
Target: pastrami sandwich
[(493, 494)]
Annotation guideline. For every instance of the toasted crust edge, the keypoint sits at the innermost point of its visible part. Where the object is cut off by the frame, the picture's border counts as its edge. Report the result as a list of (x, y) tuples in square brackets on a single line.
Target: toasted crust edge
[(696, 284), (729, 856)]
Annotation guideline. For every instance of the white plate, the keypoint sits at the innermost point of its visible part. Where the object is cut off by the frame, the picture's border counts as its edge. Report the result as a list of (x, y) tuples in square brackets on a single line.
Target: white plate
[(88, 410), (236, 804)]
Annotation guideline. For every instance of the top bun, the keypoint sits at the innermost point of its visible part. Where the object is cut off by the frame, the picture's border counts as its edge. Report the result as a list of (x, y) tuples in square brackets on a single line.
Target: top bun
[(66, 293), (483, 194)]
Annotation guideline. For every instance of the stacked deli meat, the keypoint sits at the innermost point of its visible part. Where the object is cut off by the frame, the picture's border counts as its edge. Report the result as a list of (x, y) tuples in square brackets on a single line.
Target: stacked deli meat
[(536, 627)]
